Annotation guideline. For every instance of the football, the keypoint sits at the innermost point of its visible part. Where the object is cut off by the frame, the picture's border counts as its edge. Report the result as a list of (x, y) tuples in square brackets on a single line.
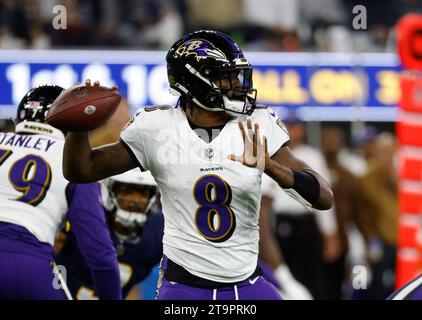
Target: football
[(83, 108)]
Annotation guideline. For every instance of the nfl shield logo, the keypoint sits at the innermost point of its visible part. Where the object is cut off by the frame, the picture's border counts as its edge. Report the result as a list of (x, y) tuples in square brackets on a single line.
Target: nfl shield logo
[(209, 153)]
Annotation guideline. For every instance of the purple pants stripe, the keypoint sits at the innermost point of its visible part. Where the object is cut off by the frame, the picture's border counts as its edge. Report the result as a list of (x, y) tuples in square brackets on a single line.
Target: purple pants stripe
[(253, 289), (26, 277)]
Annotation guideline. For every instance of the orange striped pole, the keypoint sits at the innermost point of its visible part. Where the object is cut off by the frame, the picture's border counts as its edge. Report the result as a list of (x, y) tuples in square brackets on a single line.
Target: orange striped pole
[(409, 134)]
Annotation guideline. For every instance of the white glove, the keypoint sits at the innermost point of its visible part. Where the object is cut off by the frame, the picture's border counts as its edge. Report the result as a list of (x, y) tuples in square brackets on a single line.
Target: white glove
[(291, 289)]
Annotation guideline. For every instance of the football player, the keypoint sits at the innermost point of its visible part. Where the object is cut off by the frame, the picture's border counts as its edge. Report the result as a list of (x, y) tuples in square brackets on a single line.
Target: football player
[(136, 227), (34, 197), (207, 156)]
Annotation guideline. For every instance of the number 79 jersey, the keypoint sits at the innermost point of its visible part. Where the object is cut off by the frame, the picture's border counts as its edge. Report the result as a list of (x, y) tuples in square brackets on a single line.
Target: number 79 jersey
[(32, 186), (210, 203)]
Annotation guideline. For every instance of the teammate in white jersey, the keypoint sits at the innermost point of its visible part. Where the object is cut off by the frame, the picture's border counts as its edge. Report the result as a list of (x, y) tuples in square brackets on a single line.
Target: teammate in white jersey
[(208, 168), (34, 197)]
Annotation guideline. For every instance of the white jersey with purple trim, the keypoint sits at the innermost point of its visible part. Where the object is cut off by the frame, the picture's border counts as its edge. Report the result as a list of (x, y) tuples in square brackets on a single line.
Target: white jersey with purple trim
[(32, 186), (210, 203)]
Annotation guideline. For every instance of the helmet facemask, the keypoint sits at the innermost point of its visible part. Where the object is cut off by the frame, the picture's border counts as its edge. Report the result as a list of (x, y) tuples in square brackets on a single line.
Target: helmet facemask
[(232, 89), (130, 215)]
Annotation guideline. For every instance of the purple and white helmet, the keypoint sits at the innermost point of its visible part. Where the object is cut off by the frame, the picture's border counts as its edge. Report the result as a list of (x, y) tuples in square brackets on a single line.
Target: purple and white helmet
[(137, 179), (199, 61)]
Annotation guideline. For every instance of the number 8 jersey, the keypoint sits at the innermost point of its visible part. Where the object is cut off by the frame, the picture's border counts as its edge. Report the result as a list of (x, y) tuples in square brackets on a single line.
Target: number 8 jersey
[(32, 186), (210, 203)]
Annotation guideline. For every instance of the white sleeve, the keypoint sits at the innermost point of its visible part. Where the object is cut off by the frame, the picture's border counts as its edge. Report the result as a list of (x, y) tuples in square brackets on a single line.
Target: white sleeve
[(268, 186), (275, 131), (132, 138)]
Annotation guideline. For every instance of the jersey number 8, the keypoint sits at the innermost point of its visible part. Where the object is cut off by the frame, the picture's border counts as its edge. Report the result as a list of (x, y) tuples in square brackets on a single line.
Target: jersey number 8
[(214, 219)]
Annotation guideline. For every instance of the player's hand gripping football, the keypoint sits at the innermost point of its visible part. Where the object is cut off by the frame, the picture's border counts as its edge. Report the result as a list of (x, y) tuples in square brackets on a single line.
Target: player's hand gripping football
[(96, 84), (255, 153), (83, 107)]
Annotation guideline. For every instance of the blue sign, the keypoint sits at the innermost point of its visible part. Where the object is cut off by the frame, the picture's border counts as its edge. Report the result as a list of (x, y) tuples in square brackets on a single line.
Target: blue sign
[(323, 86)]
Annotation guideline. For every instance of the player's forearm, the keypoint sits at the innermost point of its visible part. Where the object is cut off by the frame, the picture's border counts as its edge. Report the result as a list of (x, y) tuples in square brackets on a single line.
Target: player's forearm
[(82, 164), (281, 174), (77, 165), (317, 192), (326, 196)]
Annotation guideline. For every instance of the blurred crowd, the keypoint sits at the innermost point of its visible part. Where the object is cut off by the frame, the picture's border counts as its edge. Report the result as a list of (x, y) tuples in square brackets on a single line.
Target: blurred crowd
[(347, 252), (264, 25)]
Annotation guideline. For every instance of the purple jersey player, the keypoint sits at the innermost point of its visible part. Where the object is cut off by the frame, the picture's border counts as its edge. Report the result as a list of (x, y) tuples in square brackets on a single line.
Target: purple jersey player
[(136, 227), (34, 197)]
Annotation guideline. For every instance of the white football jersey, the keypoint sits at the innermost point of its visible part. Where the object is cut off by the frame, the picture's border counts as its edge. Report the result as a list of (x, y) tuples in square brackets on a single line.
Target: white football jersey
[(210, 203), (32, 186)]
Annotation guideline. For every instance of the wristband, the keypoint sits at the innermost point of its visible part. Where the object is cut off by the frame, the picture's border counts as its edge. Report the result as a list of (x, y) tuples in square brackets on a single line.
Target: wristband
[(306, 185)]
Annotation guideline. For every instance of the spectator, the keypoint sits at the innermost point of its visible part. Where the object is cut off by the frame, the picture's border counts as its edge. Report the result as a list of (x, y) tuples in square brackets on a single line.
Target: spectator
[(168, 28), (8, 40), (306, 239), (273, 14), (272, 25), (38, 39), (214, 14), (380, 207), (347, 210)]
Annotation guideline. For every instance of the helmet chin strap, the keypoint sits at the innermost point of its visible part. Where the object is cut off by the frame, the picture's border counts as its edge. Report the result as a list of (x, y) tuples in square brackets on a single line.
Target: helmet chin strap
[(132, 238), (130, 219), (233, 107)]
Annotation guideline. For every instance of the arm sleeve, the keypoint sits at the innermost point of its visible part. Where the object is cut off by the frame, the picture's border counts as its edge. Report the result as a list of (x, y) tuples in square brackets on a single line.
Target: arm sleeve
[(132, 138), (86, 215)]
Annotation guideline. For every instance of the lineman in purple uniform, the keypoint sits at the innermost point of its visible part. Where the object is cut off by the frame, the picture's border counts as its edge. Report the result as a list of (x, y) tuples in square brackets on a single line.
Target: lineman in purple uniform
[(34, 198), (208, 169), (136, 228)]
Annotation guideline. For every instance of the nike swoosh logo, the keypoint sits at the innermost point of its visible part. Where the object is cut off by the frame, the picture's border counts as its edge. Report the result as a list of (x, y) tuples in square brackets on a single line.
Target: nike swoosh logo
[(253, 281)]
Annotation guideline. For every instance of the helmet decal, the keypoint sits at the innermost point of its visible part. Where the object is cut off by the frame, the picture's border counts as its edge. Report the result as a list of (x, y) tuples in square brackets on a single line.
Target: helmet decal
[(35, 104), (200, 49)]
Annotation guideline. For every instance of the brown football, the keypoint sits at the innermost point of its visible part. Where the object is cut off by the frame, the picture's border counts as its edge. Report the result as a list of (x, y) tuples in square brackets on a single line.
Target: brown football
[(83, 108)]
